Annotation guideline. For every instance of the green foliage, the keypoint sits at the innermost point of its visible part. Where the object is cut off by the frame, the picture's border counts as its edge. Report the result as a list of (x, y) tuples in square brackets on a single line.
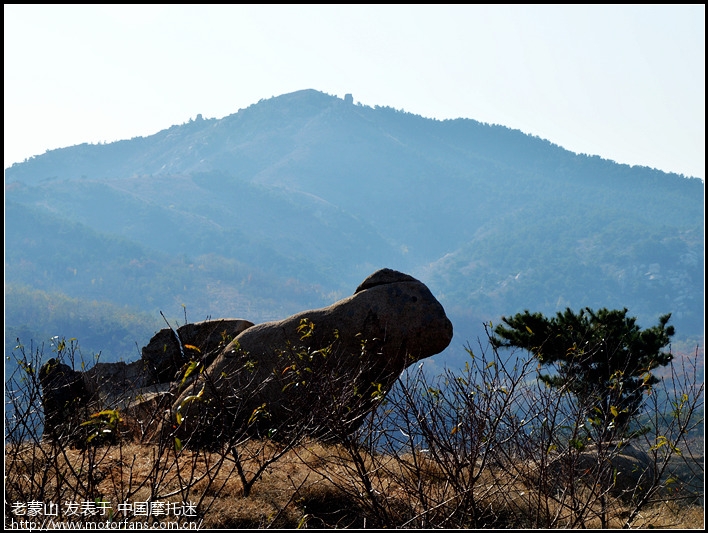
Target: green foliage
[(103, 425), (601, 357), (189, 369), (184, 403)]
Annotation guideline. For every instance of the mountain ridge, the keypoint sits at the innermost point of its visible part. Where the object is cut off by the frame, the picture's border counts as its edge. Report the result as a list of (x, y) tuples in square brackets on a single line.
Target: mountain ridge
[(311, 190), (194, 129)]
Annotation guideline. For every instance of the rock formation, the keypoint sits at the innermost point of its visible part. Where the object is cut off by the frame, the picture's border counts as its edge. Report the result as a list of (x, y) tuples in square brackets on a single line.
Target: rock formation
[(317, 372), (164, 356), (140, 390), (620, 468), (627, 470), (63, 395)]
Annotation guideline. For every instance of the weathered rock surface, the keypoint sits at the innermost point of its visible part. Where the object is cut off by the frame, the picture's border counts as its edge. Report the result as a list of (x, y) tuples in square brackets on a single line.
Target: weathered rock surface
[(139, 390), (63, 395), (622, 469), (317, 372), (628, 470), (164, 357)]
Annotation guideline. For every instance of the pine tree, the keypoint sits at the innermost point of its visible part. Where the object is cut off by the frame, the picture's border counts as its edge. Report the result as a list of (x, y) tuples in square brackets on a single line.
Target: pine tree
[(602, 357)]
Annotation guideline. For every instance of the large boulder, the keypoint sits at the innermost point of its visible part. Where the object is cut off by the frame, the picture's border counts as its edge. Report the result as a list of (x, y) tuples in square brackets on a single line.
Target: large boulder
[(318, 372)]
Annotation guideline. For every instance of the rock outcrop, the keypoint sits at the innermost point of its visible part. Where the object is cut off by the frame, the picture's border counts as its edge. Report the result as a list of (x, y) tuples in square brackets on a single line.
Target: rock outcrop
[(139, 391), (318, 372), (164, 356), (627, 470), (620, 468), (64, 394)]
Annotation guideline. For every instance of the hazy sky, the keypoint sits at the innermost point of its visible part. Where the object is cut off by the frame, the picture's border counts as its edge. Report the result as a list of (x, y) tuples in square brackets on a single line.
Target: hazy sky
[(626, 83)]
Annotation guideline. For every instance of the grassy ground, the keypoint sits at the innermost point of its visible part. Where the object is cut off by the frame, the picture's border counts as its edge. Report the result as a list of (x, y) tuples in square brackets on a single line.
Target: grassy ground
[(310, 485)]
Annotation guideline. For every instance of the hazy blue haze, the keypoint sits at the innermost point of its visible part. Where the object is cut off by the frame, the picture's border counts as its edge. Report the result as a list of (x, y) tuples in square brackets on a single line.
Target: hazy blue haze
[(290, 203)]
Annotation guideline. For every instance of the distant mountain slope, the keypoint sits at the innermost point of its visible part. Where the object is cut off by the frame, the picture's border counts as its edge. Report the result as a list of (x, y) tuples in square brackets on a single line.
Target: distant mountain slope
[(308, 194)]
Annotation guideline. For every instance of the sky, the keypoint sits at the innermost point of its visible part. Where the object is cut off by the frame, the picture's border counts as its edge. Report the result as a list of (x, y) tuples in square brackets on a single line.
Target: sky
[(625, 82)]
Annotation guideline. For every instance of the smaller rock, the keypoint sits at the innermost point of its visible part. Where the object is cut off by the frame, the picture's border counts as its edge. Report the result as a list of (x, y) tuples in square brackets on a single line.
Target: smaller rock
[(163, 356), (64, 395), (629, 470), (138, 391), (621, 468), (143, 414)]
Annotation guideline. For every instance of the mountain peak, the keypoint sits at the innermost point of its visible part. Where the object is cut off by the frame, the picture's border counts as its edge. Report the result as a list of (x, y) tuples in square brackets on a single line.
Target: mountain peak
[(303, 97), (306, 190)]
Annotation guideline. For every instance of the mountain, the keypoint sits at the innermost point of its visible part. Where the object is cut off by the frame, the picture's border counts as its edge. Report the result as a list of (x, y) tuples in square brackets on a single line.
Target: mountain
[(290, 203)]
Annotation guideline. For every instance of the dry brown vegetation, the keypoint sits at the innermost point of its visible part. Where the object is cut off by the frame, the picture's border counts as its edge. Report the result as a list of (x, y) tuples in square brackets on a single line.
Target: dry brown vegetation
[(477, 448), (312, 485)]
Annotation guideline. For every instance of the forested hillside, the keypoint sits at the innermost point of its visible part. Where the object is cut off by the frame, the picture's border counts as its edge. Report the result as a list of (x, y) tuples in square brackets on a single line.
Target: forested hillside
[(290, 203)]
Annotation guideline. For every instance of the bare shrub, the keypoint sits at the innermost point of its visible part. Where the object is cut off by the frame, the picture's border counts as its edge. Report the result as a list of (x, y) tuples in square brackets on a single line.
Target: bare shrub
[(493, 446), (486, 446)]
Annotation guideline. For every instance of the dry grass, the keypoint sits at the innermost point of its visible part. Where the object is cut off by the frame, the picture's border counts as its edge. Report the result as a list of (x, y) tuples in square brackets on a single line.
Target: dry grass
[(312, 485), (484, 437)]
